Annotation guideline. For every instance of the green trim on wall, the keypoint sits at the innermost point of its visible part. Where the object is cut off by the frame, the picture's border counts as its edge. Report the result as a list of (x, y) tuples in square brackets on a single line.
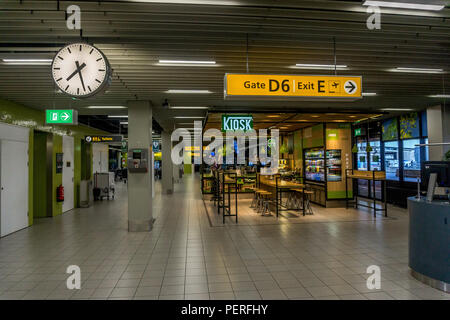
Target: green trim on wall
[(39, 194), (339, 194), (30, 177)]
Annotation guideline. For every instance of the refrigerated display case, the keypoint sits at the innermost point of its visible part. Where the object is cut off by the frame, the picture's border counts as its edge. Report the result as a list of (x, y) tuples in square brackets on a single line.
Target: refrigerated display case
[(315, 164), (334, 165)]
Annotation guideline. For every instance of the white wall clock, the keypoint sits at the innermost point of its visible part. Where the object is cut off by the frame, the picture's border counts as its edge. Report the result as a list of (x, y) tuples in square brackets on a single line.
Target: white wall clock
[(81, 70)]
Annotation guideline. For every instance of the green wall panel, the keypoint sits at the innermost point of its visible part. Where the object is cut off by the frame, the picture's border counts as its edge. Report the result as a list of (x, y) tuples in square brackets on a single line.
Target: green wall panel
[(39, 194)]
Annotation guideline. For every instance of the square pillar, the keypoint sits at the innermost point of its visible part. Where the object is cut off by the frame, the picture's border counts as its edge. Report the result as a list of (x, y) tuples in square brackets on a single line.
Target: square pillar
[(167, 164), (140, 215), (438, 124)]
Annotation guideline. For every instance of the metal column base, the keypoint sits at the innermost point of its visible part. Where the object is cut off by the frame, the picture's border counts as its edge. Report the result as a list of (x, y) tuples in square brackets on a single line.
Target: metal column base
[(437, 284)]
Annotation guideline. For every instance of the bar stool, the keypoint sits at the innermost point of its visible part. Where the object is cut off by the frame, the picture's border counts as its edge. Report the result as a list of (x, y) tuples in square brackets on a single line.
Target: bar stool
[(290, 203), (298, 199), (308, 208), (265, 204), (255, 197)]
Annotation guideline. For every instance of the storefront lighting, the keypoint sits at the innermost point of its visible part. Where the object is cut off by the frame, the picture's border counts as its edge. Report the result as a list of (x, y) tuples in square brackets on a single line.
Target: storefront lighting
[(188, 91), (416, 70), (27, 61), (320, 66), (403, 5)]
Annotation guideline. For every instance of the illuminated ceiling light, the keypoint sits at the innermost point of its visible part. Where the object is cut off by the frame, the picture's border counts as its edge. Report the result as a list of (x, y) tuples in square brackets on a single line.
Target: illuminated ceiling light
[(369, 94), (188, 107), (416, 70), (27, 61), (201, 2), (185, 117), (352, 116), (188, 91), (123, 122), (440, 96), (106, 107), (193, 62), (396, 109), (314, 116), (404, 5), (319, 66), (124, 116), (273, 116)]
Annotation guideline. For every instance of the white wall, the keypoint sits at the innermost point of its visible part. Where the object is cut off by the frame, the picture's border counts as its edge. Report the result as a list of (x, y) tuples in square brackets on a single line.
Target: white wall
[(100, 157)]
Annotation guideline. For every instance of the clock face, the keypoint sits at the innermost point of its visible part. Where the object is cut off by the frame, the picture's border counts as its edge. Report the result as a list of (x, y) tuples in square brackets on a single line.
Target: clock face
[(80, 70)]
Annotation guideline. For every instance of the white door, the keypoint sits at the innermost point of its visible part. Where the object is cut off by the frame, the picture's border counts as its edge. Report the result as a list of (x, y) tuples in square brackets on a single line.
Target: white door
[(68, 172), (14, 186)]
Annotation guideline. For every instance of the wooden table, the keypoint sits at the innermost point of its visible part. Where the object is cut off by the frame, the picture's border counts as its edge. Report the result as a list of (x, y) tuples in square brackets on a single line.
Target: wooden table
[(371, 176), (281, 186)]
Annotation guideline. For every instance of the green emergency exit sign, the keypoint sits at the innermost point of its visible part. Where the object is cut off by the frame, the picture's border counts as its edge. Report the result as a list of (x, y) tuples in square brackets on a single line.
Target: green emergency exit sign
[(68, 116)]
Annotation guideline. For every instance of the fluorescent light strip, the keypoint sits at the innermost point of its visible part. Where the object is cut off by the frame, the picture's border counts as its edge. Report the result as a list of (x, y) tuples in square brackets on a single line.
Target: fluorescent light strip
[(176, 62), (401, 5), (197, 2), (369, 94), (183, 117), (123, 122), (124, 116), (417, 70), (188, 107), (440, 96), (396, 109), (106, 107), (319, 66), (188, 91), (27, 61)]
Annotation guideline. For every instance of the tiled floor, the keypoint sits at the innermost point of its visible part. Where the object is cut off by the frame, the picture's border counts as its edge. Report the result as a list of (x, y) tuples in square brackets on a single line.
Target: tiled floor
[(185, 258)]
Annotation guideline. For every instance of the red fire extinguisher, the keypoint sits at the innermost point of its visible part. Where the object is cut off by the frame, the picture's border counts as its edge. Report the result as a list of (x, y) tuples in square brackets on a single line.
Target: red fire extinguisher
[(60, 194)]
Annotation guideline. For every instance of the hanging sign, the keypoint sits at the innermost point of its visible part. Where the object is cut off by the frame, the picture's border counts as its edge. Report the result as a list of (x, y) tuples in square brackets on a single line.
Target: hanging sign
[(237, 122), (69, 117), (114, 138), (254, 86)]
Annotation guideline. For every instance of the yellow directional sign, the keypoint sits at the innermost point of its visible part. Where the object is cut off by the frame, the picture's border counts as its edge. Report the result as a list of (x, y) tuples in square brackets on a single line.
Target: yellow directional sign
[(292, 86)]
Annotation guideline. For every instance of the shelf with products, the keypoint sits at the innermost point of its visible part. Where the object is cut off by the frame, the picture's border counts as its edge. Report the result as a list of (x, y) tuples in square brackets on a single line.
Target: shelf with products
[(334, 165), (315, 164)]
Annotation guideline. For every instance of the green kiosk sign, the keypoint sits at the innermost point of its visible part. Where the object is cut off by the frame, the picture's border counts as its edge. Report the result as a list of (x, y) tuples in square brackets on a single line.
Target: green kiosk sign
[(68, 116), (237, 122)]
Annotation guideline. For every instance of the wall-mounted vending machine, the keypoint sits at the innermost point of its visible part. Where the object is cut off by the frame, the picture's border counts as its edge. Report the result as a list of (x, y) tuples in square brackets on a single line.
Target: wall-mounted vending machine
[(138, 160)]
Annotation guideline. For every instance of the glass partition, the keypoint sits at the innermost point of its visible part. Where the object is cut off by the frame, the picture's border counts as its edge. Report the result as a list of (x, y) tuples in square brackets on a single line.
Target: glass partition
[(391, 160), (411, 160)]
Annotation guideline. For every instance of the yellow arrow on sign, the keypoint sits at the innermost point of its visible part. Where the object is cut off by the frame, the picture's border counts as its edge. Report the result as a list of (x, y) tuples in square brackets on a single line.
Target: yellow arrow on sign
[(254, 86)]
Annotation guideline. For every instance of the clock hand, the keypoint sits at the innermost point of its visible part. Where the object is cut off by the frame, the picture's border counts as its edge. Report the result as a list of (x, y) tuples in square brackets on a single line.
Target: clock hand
[(81, 76), (79, 68)]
